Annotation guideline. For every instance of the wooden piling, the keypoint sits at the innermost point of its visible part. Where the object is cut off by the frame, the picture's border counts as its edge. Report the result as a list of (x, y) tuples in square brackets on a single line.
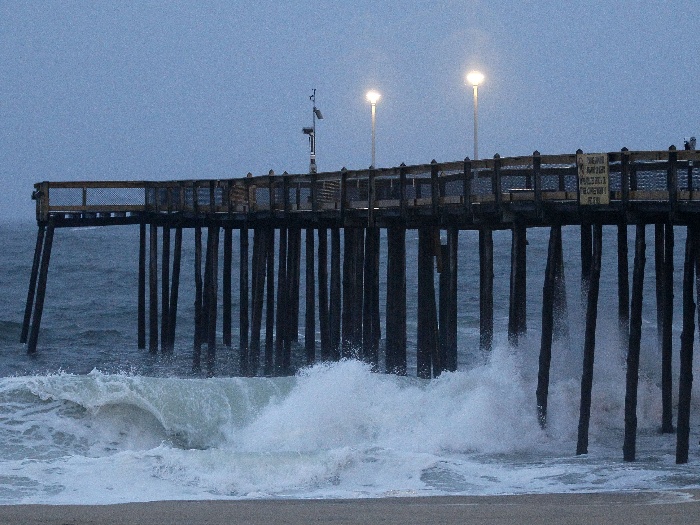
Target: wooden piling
[(517, 314), (685, 379), (347, 348), (443, 307), (335, 298), (165, 292), (659, 280), (212, 293), (357, 292), (248, 362), (586, 258), (667, 334), (175, 288), (282, 304), (635, 338), (293, 280), (548, 290), (370, 341), (485, 289), (323, 307), (270, 302), (310, 313), (32, 286), (198, 296), (258, 294), (450, 363), (153, 287), (41, 289), (226, 316), (623, 287), (396, 301), (561, 310), (141, 314), (427, 357), (589, 341)]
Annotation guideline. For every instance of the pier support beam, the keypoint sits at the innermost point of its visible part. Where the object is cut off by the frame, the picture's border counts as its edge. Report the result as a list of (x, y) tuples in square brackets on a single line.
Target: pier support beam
[(517, 319), (212, 293), (141, 313), (447, 310), (41, 289), (175, 288), (323, 311), (635, 337), (427, 359), (310, 313), (623, 286), (485, 289), (370, 303), (38, 248), (282, 305), (259, 270), (586, 258), (293, 287), (685, 380), (667, 334), (335, 302), (351, 344), (153, 287), (561, 309), (226, 316), (589, 341), (198, 295), (270, 301), (396, 301), (247, 362), (548, 291), (165, 292)]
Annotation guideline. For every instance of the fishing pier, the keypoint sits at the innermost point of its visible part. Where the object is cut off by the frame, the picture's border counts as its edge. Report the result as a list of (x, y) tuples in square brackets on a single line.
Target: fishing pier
[(590, 191)]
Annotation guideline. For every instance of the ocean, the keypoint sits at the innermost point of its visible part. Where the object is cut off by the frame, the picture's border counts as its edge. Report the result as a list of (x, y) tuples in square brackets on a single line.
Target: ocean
[(91, 419)]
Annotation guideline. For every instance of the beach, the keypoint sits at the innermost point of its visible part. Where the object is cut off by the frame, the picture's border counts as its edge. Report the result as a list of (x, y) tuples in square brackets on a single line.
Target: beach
[(677, 507)]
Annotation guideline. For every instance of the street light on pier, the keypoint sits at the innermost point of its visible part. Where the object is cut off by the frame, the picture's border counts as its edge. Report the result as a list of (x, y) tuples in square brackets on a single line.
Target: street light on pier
[(474, 78), (372, 98)]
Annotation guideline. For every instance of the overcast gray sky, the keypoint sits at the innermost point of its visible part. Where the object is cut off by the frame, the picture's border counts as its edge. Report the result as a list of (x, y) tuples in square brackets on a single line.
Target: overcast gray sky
[(156, 90)]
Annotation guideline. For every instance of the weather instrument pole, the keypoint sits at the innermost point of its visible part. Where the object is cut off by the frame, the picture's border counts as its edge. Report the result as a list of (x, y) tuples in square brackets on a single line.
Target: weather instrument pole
[(311, 132)]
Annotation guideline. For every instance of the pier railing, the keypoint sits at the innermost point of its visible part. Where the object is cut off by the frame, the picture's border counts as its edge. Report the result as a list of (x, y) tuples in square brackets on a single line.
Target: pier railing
[(667, 176)]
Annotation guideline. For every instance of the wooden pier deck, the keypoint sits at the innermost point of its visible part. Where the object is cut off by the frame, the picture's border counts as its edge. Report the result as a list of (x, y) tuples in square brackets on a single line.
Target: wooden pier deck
[(608, 189)]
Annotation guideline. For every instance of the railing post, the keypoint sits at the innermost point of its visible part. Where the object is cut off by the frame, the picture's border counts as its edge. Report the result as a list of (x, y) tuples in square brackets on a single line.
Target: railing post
[(402, 190), (625, 177), (672, 179), (314, 195), (370, 197), (467, 186), (536, 168), (496, 181), (343, 192), (434, 187), (285, 191)]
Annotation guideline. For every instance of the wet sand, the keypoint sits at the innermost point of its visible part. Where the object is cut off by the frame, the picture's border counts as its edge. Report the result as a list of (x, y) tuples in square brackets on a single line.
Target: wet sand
[(657, 508)]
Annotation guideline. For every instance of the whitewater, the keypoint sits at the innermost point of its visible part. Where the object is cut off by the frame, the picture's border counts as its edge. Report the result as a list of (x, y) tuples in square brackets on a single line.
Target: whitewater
[(91, 419)]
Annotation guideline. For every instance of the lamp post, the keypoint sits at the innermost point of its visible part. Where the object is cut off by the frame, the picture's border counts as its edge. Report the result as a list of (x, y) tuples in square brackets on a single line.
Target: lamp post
[(474, 78), (372, 97)]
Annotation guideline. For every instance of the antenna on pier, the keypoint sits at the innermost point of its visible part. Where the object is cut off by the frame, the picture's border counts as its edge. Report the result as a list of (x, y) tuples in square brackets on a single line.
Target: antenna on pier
[(311, 132)]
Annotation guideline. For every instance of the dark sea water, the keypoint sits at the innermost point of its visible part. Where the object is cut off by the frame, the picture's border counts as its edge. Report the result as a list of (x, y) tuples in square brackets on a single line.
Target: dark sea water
[(92, 419)]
